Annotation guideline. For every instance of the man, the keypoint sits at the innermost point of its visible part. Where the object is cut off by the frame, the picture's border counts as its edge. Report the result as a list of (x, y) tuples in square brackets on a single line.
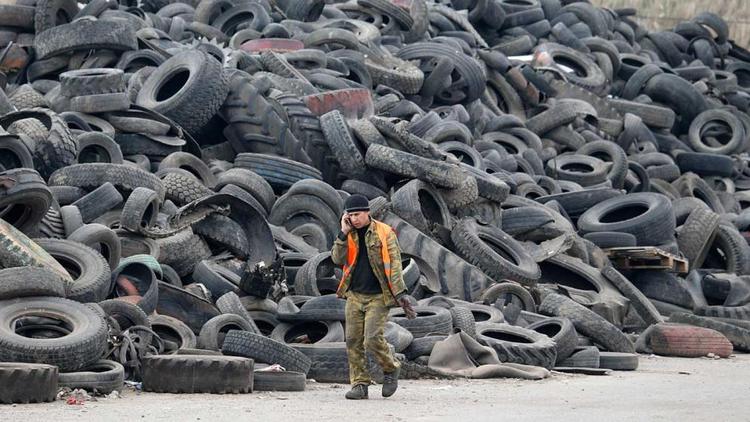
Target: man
[(372, 282)]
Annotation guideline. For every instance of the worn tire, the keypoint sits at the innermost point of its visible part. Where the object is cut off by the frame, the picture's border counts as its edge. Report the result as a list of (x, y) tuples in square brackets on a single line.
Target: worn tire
[(27, 382), (266, 350), (518, 345), (197, 374)]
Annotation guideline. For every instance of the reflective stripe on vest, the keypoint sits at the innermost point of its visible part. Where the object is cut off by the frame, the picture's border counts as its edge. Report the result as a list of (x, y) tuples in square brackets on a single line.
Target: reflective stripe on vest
[(381, 230)]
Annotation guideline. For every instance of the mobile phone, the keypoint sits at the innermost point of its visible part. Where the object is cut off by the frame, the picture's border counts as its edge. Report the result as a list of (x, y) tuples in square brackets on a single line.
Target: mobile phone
[(348, 220)]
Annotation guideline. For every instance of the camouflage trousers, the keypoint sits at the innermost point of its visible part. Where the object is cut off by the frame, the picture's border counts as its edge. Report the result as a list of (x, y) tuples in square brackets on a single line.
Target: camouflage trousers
[(366, 316)]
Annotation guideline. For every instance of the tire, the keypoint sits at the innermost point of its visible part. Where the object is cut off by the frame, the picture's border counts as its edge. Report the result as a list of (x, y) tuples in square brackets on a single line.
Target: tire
[(308, 277), (586, 357), (309, 332), (578, 202), (30, 282), (140, 210), (405, 164), (618, 361), (420, 205), (125, 313), (99, 34), (191, 163), (330, 362), (587, 323), (518, 345), (199, 98), (593, 79), (606, 240), (651, 219), (645, 309), (738, 336), (422, 346), (696, 236), (197, 374), (173, 330), (687, 341), (320, 308), (82, 82), (278, 381), (95, 147), (56, 148), (93, 281), (509, 293), (100, 238), (702, 120), (25, 200), (229, 303), (266, 350), (91, 176), (98, 202), (429, 320), (340, 141), (182, 189), (103, 377), (251, 182), (27, 382), (85, 344), (475, 243), (281, 173), (562, 332), (213, 332), (667, 287), (182, 251), (729, 252), (463, 319)]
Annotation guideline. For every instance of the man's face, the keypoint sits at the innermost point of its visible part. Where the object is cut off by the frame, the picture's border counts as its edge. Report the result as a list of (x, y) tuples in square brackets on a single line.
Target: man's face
[(359, 219)]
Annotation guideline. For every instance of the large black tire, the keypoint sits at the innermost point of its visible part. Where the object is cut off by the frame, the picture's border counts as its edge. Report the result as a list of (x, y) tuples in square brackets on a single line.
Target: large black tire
[(645, 309), (342, 144), (697, 234), (278, 381), (30, 281), (309, 332), (429, 320), (92, 283), (182, 251), (103, 377), (405, 164), (281, 173), (587, 323), (518, 345), (189, 88), (213, 332), (86, 34), (197, 374), (27, 382), (647, 216), (55, 147), (98, 201), (266, 350), (562, 332), (421, 205), (85, 344), (26, 200), (92, 175), (583, 357), (478, 244), (229, 303)]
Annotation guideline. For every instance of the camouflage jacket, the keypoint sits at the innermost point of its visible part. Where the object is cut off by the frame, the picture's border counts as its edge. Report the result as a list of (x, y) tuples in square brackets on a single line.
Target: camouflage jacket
[(397, 286)]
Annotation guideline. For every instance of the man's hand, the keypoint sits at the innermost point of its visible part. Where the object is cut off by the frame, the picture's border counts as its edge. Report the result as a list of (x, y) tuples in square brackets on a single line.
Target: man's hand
[(346, 226), (403, 301)]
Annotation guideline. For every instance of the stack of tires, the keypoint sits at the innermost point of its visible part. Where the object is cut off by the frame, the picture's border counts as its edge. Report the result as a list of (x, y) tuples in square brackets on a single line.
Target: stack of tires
[(173, 175)]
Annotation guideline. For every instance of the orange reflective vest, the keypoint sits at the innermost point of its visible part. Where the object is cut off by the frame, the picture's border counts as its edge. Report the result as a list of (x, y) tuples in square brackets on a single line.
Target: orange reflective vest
[(381, 230)]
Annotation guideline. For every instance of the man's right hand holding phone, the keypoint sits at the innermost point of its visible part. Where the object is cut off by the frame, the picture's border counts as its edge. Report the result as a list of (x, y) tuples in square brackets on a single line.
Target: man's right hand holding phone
[(346, 225)]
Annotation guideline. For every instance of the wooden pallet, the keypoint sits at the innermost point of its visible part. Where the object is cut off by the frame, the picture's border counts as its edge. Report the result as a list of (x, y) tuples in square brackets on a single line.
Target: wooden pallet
[(646, 258)]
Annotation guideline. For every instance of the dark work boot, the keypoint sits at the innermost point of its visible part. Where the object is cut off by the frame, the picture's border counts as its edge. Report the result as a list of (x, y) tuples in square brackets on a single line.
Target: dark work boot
[(390, 382), (358, 392)]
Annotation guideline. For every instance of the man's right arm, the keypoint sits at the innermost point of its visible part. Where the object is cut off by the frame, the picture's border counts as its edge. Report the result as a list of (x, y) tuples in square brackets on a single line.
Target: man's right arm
[(340, 249)]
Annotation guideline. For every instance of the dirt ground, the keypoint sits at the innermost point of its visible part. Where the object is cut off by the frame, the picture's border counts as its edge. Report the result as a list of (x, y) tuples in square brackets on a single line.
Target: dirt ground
[(661, 389)]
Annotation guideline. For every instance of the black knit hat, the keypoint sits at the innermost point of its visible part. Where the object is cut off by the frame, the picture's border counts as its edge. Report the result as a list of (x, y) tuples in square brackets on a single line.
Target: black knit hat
[(356, 202)]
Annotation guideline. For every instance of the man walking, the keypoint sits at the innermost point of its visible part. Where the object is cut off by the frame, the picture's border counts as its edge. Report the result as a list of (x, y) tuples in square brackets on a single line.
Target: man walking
[(372, 282)]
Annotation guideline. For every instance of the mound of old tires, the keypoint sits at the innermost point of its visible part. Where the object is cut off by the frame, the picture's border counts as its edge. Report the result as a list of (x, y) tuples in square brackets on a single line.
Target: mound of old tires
[(173, 175)]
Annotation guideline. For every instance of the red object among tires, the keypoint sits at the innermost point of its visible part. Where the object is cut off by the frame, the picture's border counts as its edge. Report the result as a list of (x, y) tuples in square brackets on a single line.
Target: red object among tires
[(688, 341)]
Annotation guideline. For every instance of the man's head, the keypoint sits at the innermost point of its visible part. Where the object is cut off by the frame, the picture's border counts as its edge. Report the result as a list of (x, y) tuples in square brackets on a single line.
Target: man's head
[(357, 208)]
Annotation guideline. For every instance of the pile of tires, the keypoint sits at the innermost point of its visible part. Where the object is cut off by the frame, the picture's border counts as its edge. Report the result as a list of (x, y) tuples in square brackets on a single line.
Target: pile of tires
[(173, 175)]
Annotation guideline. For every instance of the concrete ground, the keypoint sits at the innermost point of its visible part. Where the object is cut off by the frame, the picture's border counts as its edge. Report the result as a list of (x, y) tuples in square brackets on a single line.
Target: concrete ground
[(662, 389)]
